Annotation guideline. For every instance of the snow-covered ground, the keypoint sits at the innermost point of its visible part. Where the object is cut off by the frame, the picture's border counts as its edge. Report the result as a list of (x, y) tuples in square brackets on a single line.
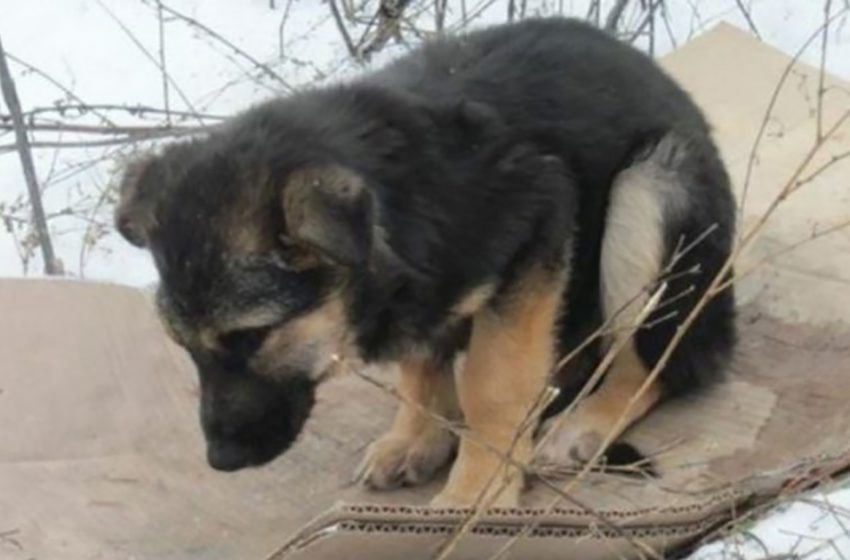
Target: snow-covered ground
[(104, 52)]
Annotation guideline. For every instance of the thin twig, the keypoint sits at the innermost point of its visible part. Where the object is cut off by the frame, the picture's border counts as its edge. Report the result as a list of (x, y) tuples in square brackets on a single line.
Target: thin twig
[(748, 17), (146, 52), (10, 96), (131, 139), (457, 430), (280, 29), (827, 7), (105, 130), (133, 110), (612, 21), (604, 364), (343, 31), (743, 273), (751, 160), (162, 62), (62, 88), (192, 22)]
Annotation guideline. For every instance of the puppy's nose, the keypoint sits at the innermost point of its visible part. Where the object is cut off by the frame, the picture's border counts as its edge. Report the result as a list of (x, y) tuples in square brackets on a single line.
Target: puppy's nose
[(228, 456)]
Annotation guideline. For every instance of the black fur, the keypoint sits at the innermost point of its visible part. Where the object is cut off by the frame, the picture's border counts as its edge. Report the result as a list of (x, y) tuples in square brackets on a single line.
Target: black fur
[(482, 154)]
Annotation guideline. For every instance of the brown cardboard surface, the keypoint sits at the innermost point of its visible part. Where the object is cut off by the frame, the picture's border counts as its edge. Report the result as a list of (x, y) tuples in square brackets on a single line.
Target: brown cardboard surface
[(101, 455)]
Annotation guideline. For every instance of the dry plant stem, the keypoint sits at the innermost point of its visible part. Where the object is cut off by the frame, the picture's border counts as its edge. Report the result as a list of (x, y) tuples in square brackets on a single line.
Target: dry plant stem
[(647, 20), (147, 53), (793, 185), (107, 130), (129, 139), (236, 50), (739, 275), (813, 175), (827, 7), (772, 104), (482, 502), (606, 361), (474, 14), (162, 63), (612, 21), (460, 432), (713, 289), (717, 284), (343, 31), (789, 494), (440, 15), (604, 364), (666, 276), (652, 304), (747, 16), (134, 110), (62, 88), (282, 27), (10, 95)]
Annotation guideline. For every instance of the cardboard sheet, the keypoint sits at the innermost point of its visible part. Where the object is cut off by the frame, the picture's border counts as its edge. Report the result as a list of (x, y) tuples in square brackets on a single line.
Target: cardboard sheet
[(101, 455)]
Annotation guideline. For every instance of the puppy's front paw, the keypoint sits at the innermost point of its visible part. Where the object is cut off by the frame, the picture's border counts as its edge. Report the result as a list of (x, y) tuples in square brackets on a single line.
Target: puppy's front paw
[(394, 460)]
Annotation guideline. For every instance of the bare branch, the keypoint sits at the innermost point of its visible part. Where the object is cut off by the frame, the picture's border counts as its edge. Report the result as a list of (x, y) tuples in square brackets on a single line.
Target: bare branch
[(10, 96), (648, 20), (440, 7), (219, 38), (123, 140), (62, 88), (343, 31), (146, 52), (612, 21), (98, 108), (389, 18), (162, 63), (827, 7), (772, 103), (747, 16), (459, 431), (816, 234), (282, 26), (105, 130)]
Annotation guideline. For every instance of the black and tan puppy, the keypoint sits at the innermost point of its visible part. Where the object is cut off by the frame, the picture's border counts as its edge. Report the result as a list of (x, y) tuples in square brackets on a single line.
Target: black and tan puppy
[(500, 194)]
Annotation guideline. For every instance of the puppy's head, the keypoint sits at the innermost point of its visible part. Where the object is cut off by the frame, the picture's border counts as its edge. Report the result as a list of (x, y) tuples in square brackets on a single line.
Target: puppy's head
[(253, 256)]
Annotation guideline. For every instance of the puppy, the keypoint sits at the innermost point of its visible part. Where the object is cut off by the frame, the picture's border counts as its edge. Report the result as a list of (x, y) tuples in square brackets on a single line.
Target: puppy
[(499, 194)]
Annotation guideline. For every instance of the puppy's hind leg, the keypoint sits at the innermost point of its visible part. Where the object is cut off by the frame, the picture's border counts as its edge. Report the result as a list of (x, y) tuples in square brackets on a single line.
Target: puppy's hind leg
[(643, 197)]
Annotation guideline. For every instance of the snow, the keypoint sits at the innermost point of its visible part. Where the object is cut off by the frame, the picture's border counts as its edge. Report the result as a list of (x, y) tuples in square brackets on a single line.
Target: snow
[(81, 44), (813, 527)]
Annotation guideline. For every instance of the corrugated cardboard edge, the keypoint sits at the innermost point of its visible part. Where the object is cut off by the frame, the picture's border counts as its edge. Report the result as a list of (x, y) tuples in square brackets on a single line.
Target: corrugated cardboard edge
[(666, 527)]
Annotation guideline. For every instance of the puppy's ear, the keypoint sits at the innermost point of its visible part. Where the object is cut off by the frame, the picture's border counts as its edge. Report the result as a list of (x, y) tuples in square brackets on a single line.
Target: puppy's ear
[(331, 210), (134, 213)]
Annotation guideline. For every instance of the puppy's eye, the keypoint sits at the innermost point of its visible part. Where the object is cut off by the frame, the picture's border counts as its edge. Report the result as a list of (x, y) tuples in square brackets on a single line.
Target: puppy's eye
[(243, 342)]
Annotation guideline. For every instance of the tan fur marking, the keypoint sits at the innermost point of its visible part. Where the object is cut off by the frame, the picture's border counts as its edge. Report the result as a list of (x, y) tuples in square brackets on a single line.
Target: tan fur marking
[(416, 445), (509, 358), (309, 342), (251, 319), (581, 434)]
